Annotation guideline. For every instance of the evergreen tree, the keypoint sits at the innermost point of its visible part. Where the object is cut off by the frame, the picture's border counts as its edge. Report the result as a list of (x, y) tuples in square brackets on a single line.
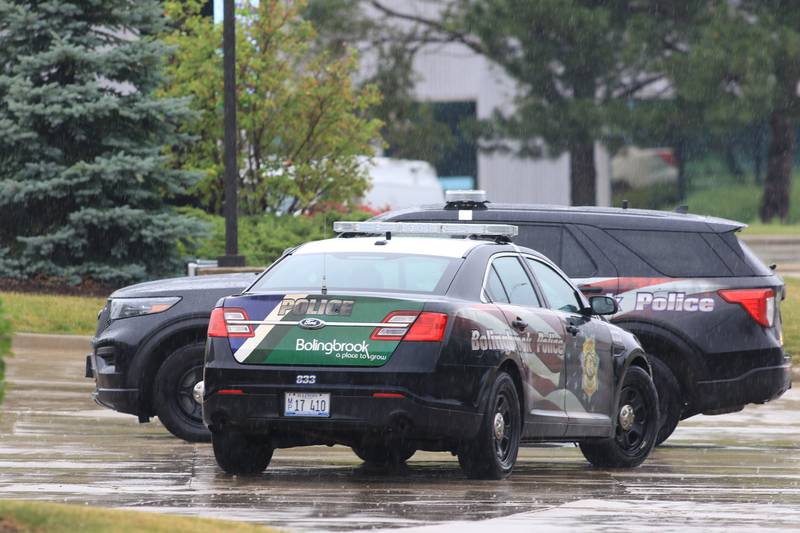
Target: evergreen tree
[(82, 169)]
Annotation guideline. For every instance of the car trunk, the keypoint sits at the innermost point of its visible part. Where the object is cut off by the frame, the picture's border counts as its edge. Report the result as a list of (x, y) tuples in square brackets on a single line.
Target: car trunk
[(317, 329)]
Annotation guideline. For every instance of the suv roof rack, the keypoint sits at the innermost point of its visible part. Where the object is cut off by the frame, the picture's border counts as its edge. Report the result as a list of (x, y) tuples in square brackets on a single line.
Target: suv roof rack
[(499, 232)]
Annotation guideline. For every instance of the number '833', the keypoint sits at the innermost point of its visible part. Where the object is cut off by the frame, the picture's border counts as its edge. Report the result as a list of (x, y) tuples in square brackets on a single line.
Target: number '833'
[(306, 379)]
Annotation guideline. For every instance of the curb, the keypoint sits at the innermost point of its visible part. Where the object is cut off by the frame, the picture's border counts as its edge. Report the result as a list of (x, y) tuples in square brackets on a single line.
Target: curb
[(41, 341)]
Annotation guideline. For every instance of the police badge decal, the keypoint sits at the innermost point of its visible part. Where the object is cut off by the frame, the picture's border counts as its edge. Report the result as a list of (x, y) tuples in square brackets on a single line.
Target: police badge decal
[(589, 365)]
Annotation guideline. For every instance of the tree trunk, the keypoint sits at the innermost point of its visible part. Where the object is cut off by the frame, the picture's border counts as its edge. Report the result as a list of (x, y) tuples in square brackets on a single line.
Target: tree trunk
[(582, 174), (780, 159)]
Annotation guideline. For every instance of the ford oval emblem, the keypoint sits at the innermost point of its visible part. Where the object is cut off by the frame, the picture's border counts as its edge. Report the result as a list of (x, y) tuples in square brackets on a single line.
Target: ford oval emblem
[(311, 323)]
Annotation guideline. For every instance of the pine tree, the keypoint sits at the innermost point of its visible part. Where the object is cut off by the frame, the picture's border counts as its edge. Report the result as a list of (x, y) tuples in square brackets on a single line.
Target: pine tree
[(83, 180)]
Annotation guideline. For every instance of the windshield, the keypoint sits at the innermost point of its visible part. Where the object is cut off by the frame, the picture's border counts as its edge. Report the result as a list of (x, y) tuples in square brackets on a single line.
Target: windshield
[(360, 271)]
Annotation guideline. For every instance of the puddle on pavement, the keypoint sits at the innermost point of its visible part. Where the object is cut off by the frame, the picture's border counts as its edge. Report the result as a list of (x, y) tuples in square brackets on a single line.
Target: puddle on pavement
[(726, 472)]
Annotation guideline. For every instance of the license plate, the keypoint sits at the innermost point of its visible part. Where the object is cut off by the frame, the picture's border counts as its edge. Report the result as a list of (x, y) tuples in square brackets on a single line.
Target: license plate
[(307, 404)]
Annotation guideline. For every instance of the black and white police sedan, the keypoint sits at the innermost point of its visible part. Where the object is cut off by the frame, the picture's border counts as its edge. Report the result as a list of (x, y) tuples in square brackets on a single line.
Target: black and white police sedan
[(405, 336)]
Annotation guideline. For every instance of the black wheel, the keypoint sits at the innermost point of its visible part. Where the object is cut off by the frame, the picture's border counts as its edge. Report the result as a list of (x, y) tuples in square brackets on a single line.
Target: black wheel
[(493, 452), (383, 453), (174, 394), (637, 424), (670, 401), (240, 454)]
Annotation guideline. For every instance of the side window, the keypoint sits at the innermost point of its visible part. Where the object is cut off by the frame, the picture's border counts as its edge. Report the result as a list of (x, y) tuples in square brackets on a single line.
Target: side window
[(494, 287), (575, 262), (675, 253), (516, 281), (558, 292), (558, 244)]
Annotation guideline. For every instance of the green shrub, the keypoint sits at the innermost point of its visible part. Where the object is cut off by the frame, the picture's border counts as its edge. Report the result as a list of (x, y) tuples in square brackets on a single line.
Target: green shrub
[(5, 346), (262, 239)]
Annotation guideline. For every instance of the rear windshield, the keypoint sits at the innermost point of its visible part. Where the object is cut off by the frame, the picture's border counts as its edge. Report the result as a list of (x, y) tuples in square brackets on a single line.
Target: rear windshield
[(372, 272)]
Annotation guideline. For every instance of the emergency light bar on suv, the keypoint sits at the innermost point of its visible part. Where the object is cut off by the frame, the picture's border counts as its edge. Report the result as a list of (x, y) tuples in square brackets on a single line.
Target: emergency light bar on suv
[(424, 228)]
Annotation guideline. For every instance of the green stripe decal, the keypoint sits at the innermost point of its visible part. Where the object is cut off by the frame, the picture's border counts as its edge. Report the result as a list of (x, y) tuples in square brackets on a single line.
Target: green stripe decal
[(332, 345)]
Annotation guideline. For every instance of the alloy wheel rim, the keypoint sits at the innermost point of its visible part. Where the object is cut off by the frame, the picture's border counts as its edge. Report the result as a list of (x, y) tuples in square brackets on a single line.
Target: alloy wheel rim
[(187, 404), (632, 420), (502, 428)]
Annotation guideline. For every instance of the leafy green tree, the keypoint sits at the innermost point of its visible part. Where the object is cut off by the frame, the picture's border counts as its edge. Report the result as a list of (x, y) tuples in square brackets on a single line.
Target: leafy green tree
[(82, 169), (780, 21), (733, 65), (303, 122), (715, 79), (575, 64)]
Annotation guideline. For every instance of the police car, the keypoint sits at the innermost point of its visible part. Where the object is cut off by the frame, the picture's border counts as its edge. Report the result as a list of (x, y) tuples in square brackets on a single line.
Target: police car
[(704, 307), (400, 337)]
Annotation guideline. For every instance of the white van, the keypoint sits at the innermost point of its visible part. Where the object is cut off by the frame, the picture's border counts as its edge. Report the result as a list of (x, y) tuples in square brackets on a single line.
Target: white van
[(401, 183)]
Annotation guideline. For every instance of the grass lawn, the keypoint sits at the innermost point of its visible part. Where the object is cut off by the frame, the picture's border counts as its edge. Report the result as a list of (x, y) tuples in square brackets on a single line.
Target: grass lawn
[(35, 517), (783, 230), (51, 313), (790, 313)]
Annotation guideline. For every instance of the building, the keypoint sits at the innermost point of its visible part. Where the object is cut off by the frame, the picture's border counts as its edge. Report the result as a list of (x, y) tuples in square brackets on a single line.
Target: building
[(463, 84)]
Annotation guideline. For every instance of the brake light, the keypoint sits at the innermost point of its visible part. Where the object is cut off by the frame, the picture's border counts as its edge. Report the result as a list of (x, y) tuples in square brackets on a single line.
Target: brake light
[(759, 303), (220, 326), (427, 327), (411, 326)]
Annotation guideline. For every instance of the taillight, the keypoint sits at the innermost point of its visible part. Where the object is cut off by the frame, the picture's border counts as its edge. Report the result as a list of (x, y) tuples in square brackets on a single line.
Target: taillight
[(759, 303), (411, 326), (220, 324), (427, 327)]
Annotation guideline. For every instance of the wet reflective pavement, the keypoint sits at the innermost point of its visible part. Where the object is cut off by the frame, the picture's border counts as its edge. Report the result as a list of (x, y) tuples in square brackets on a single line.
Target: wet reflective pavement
[(734, 472)]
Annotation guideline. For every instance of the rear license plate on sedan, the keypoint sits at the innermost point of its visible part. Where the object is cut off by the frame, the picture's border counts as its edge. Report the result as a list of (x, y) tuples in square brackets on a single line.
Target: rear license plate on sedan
[(307, 404)]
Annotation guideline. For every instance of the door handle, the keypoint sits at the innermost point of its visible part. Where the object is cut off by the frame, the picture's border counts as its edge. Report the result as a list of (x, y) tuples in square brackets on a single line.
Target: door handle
[(572, 329), (518, 323)]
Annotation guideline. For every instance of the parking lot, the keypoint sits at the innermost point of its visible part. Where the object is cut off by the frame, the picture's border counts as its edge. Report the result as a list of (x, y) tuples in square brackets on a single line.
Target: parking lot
[(734, 472)]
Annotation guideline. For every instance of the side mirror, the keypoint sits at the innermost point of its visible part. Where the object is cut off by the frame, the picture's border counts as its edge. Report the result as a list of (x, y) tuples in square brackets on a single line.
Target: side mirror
[(603, 305)]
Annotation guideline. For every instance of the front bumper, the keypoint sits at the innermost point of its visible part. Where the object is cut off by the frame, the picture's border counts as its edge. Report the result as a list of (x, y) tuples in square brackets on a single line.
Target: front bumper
[(758, 384), (110, 391)]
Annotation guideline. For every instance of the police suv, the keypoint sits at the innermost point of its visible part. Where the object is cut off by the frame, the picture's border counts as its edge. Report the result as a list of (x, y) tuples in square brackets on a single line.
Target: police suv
[(406, 336), (704, 307)]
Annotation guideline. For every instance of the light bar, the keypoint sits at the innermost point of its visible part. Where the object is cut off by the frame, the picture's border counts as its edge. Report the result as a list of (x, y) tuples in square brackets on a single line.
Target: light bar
[(426, 228), (465, 196)]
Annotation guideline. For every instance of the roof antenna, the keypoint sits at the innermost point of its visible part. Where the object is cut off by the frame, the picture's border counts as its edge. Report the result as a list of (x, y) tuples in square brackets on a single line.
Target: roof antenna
[(324, 270), (624, 204)]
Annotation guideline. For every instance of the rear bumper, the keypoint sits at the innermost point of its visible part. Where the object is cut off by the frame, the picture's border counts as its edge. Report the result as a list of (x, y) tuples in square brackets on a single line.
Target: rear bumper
[(759, 384), (439, 403), (354, 415)]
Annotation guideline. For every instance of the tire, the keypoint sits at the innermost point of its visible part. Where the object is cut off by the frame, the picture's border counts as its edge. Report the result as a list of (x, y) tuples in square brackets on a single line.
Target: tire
[(174, 402), (383, 454), (670, 401), (629, 448), (240, 454), (493, 452)]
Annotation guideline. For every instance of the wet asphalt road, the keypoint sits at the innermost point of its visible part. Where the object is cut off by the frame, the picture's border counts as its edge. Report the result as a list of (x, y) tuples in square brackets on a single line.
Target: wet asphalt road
[(728, 473)]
